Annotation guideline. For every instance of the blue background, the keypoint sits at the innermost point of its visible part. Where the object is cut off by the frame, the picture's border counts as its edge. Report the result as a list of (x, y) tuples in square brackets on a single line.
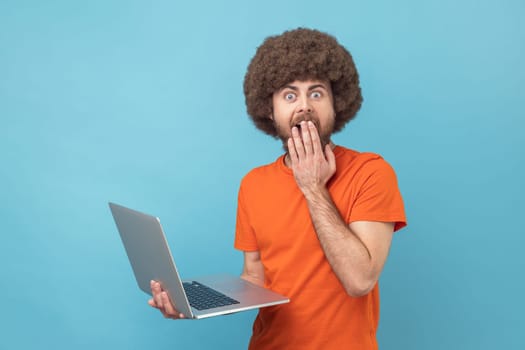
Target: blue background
[(141, 103)]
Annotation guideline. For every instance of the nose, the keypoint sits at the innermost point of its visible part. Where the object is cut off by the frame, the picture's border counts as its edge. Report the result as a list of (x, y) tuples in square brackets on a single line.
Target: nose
[(303, 106)]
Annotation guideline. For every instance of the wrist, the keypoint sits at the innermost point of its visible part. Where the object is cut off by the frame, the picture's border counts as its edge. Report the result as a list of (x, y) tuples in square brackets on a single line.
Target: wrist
[(315, 192)]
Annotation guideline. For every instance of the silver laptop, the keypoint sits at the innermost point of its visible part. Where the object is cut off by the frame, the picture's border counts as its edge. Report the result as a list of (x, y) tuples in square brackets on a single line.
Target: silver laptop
[(151, 259)]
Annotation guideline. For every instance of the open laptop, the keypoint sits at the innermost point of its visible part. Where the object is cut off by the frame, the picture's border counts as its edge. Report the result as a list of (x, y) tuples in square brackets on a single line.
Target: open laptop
[(151, 259)]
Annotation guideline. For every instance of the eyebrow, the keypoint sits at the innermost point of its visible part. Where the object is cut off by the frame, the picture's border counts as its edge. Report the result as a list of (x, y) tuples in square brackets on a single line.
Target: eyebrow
[(311, 87)]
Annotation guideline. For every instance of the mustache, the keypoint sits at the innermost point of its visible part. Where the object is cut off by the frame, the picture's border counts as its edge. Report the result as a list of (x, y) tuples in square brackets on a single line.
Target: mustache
[(307, 116)]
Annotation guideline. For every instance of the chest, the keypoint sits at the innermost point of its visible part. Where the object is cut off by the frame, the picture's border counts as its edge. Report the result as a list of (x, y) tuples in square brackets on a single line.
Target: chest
[(279, 213)]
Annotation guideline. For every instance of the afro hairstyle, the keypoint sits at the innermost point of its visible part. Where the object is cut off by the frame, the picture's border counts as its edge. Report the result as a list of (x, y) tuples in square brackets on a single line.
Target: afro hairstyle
[(301, 54)]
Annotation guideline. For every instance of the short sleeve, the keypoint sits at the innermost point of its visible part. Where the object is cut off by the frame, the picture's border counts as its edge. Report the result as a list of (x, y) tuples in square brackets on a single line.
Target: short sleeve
[(377, 195), (245, 239)]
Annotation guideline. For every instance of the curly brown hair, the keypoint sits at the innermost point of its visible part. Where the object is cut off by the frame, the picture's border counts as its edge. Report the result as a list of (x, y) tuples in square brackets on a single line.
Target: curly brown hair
[(301, 54)]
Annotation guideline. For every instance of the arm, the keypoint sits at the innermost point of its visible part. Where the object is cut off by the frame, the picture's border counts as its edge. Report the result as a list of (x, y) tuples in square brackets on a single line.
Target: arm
[(356, 252), (253, 270)]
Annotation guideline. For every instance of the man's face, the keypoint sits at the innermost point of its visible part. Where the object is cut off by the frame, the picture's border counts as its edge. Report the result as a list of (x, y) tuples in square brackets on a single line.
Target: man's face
[(304, 100)]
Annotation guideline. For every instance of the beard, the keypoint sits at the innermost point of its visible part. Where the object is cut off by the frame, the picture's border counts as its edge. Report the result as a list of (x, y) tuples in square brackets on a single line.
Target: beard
[(284, 132)]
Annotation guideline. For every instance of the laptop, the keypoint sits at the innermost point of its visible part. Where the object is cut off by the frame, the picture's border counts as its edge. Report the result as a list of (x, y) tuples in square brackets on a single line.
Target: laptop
[(151, 259)]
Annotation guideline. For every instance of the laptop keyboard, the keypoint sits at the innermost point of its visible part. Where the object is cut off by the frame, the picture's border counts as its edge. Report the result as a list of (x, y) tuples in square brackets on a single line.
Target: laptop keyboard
[(203, 298)]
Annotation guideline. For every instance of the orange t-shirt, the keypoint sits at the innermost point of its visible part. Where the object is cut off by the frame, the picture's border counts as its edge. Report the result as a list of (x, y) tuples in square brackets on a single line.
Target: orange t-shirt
[(273, 218)]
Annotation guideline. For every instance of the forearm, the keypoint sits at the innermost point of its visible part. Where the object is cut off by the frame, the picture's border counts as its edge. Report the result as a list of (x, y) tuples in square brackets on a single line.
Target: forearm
[(258, 280), (253, 270), (346, 253)]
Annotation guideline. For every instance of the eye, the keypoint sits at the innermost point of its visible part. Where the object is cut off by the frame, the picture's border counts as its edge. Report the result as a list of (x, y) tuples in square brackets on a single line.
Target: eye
[(290, 96), (316, 94)]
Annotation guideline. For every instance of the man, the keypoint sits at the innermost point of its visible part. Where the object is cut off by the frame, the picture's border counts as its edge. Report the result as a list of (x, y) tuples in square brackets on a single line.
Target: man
[(316, 225)]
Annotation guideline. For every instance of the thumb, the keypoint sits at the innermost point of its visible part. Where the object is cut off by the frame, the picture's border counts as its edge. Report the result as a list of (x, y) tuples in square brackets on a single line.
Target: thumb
[(330, 157)]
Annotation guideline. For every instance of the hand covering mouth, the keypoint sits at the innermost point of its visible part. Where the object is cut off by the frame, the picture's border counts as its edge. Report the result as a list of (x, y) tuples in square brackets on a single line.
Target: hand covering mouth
[(297, 123), (305, 117)]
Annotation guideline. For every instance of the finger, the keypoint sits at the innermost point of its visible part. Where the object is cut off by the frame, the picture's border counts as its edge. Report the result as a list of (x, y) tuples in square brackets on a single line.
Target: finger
[(307, 137), (298, 143), (314, 135), (291, 151), (156, 291), (330, 157), (152, 303), (169, 309), (307, 140)]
